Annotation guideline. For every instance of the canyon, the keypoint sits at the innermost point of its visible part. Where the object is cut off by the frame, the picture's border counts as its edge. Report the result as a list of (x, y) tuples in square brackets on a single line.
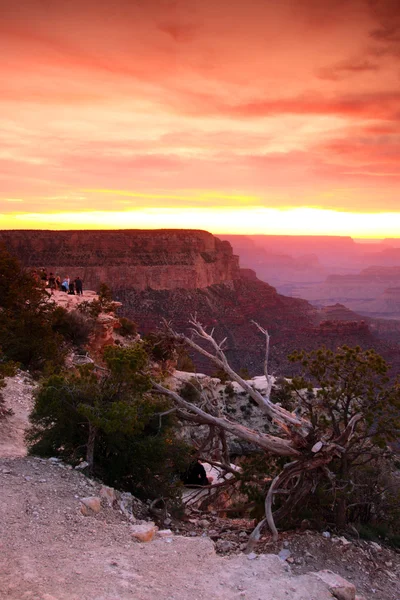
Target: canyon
[(172, 274), (365, 276)]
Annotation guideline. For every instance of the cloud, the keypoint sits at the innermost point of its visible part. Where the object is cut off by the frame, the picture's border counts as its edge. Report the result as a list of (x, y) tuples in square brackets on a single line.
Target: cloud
[(280, 101), (347, 69)]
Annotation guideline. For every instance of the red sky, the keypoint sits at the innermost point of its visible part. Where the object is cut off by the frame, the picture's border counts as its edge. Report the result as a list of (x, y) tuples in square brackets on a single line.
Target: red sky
[(188, 111)]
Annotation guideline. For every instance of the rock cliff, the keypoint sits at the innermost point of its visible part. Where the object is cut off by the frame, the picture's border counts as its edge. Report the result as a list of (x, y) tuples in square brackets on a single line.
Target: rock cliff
[(134, 259), (173, 274)]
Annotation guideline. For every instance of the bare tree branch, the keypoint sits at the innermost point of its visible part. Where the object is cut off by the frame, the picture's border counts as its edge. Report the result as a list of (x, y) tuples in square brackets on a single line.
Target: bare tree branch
[(267, 442)]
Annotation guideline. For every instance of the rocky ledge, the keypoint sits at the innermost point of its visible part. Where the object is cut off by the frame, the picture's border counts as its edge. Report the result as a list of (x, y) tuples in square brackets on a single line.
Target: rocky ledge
[(133, 259)]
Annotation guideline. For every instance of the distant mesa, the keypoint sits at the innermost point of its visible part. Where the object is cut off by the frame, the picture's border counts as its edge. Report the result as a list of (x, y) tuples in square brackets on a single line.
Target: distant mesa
[(128, 259)]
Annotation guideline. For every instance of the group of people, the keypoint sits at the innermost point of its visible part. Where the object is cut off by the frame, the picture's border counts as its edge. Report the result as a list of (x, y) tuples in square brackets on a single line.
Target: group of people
[(55, 283)]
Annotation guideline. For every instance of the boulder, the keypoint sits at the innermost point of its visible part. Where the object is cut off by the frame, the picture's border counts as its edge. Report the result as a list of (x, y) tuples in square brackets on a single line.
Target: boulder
[(90, 505), (108, 493), (144, 532), (339, 587)]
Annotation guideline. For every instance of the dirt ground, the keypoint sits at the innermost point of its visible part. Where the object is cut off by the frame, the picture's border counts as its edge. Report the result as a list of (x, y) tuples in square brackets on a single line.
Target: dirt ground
[(18, 396), (373, 568), (50, 551)]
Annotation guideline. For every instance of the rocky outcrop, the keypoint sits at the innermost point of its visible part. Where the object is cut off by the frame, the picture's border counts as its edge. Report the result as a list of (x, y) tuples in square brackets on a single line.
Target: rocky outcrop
[(173, 274), (230, 309), (135, 259)]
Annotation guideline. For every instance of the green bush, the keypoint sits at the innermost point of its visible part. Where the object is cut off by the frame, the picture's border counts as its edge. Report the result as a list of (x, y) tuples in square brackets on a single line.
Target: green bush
[(110, 419), (73, 326), (26, 319), (127, 327)]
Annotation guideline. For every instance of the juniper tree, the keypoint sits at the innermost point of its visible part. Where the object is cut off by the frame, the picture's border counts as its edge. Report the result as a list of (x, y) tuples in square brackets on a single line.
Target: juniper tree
[(356, 403)]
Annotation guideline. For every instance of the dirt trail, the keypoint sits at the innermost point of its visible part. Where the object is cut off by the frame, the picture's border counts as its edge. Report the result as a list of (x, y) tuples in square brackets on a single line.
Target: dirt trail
[(18, 396), (50, 551)]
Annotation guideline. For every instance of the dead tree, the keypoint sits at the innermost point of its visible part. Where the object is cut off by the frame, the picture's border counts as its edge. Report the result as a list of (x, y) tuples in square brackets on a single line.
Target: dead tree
[(292, 435)]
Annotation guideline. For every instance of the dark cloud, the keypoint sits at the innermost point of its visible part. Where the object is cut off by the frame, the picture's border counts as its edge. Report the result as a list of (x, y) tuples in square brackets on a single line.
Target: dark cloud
[(373, 106), (386, 34), (347, 68)]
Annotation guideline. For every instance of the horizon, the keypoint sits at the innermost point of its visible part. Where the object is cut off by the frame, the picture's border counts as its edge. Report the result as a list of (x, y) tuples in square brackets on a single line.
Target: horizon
[(252, 118), (215, 234)]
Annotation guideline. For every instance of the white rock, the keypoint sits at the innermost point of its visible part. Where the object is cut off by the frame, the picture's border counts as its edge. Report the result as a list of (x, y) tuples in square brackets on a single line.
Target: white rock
[(164, 533), (81, 465), (339, 587), (326, 535)]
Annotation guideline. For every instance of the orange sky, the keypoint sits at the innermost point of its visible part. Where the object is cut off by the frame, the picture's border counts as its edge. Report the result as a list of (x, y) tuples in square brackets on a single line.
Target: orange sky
[(201, 113)]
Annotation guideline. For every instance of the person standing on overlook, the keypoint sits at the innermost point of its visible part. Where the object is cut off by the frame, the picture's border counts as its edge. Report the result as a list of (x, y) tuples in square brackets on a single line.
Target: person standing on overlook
[(52, 283), (79, 286)]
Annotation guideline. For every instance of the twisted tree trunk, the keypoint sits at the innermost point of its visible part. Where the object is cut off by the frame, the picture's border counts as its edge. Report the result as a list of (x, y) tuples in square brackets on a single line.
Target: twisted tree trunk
[(295, 438)]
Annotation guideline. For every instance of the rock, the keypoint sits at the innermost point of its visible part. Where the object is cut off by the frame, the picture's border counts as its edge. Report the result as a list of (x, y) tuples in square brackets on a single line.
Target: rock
[(91, 504), (339, 587), (284, 554), (164, 533), (132, 507), (144, 532), (108, 493), (224, 546), (326, 535), (81, 465), (204, 523), (305, 524), (375, 546), (317, 447), (252, 556)]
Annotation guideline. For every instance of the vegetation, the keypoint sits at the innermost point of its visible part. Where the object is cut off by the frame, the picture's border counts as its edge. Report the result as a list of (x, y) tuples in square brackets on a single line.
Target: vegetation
[(27, 335), (333, 388), (325, 452), (334, 421), (127, 327), (110, 419)]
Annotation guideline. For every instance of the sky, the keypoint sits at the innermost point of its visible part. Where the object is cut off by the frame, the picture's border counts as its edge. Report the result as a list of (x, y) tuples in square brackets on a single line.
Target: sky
[(239, 116)]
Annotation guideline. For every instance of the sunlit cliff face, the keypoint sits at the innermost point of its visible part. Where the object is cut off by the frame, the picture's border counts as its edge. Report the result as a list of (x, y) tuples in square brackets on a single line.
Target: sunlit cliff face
[(246, 116)]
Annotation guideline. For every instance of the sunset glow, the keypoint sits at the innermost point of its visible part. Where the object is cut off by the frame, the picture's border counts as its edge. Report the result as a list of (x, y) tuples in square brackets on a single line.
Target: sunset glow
[(241, 117), (256, 220)]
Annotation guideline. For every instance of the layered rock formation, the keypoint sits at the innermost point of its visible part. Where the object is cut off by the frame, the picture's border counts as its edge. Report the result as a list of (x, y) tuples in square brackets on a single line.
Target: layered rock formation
[(128, 259), (173, 274), (375, 291)]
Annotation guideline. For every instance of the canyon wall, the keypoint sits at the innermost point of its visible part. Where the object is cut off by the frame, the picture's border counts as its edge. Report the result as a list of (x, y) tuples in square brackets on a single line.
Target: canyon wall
[(172, 274), (128, 259)]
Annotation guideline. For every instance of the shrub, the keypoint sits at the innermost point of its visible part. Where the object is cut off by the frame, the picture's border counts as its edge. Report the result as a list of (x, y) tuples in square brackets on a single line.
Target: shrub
[(74, 326), (127, 327), (111, 420), (26, 319)]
